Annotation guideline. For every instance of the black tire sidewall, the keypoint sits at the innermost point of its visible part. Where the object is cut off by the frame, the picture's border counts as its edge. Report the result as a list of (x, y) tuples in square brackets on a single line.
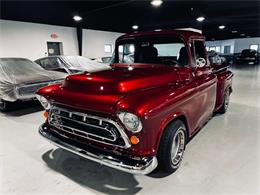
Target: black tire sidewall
[(4, 107), (223, 108), (164, 152)]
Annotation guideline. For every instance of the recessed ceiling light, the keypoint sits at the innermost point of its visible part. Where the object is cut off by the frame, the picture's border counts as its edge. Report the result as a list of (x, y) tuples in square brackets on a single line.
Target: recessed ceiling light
[(200, 19), (156, 3), (158, 30), (234, 31), (221, 27), (242, 34), (135, 27), (248, 36), (77, 18)]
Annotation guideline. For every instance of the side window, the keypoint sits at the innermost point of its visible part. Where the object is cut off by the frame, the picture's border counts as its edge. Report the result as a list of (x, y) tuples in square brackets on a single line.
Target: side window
[(44, 63), (126, 53), (198, 51), (50, 63)]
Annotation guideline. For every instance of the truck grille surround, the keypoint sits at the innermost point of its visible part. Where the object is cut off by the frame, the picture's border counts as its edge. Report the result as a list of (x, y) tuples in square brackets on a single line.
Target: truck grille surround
[(77, 125)]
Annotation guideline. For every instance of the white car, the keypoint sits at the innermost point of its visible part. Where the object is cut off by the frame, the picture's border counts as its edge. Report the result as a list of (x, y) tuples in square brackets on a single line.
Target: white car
[(71, 64), (21, 78)]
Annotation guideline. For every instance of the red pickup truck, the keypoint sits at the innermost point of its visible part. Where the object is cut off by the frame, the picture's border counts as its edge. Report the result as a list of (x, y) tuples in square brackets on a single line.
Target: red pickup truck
[(139, 115)]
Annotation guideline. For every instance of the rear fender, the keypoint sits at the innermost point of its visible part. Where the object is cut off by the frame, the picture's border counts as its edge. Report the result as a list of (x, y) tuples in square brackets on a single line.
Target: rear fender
[(224, 83)]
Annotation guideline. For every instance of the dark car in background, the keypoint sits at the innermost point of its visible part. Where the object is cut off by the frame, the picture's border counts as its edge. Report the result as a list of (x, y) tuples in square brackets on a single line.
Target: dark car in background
[(70, 64), (21, 78), (248, 56)]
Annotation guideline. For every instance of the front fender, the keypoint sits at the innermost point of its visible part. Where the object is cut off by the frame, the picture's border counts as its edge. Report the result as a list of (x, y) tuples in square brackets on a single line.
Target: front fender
[(156, 108)]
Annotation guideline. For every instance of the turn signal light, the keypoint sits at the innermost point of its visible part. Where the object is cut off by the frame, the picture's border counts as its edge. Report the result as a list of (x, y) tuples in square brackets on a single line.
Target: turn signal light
[(46, 114), (134, 140)]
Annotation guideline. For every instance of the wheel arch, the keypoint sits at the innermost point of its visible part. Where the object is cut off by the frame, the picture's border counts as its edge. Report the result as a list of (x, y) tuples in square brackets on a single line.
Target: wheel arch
[(165, 124)]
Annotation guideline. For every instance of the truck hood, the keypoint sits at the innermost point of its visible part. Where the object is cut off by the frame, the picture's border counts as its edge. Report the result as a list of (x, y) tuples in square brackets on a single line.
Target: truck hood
[(102, 90), (121, 80)]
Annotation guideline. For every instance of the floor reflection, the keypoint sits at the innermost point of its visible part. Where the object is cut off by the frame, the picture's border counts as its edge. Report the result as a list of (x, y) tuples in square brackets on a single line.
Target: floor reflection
[(90, 174)]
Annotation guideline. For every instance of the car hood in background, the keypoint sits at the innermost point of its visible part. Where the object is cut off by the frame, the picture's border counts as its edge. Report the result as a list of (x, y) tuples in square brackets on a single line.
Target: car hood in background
[(83, 64)]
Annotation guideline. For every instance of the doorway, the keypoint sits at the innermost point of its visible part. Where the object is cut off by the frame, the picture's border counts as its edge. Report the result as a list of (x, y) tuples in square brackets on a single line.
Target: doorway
[(54, 48)]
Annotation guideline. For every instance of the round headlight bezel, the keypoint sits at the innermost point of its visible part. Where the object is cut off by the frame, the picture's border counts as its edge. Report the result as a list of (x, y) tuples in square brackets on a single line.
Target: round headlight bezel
[(130, 121), (44, 102)]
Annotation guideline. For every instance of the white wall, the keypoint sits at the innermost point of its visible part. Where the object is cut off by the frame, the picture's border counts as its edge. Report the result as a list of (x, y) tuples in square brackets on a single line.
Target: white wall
[(245, 43), (237, 45), (94, 41), (221, 44), (29, 40)]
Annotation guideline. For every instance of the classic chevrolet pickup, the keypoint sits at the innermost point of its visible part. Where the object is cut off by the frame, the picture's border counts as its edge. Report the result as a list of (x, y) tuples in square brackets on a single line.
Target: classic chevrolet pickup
[(139, 115)]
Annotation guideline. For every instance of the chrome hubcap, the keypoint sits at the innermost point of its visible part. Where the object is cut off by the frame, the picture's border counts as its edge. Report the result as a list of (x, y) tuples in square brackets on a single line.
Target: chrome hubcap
[(177, 147)]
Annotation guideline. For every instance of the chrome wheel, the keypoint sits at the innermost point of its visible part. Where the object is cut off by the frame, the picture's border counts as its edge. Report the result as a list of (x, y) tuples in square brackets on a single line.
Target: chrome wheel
[(178, 145)]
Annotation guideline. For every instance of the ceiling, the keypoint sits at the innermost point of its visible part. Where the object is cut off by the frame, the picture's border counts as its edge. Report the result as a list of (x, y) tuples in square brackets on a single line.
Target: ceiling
[(120, 16)]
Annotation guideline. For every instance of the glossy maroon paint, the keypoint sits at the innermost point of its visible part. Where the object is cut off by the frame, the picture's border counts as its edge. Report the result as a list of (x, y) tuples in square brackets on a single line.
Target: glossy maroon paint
[(158, 94)]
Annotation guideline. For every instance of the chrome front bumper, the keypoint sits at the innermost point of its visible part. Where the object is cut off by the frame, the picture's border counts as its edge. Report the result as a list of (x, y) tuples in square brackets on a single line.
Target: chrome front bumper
[(144, 166)]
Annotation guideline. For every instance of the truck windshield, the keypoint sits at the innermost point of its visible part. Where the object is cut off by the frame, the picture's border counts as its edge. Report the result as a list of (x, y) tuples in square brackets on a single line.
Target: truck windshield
[(152, 50)]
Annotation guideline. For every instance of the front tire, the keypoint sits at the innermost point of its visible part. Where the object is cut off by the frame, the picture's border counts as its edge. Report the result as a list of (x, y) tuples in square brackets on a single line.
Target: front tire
[(172, 146)]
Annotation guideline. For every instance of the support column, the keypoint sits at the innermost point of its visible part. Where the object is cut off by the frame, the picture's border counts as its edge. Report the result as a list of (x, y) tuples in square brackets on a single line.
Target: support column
[(79, 36)]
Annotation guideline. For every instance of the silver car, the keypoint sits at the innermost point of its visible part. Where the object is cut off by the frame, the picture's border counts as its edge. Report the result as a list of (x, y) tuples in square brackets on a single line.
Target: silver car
[(71, 64), (21, 78)]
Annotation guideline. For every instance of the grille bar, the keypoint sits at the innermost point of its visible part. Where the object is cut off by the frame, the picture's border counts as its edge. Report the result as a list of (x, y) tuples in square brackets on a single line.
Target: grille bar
[(88, 126), (113, 134)]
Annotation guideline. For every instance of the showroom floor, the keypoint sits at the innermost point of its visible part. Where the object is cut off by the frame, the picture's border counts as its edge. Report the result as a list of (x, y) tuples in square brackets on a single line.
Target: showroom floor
[(223, 158)]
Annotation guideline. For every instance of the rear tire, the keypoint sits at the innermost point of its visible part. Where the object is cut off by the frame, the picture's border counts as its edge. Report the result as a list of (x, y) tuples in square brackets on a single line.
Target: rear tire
[(172, 146), (4, 105), (225, 104)]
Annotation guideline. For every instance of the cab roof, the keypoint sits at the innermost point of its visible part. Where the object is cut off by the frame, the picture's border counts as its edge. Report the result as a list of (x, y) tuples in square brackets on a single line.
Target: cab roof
[(186, 34)]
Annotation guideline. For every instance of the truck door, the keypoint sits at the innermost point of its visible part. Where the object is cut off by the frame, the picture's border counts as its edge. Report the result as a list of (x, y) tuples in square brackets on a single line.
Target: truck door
[(206, 81)]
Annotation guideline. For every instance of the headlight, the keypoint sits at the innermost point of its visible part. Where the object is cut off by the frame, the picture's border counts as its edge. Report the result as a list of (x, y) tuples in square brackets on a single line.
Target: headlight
[(45, 103), (131, 121)]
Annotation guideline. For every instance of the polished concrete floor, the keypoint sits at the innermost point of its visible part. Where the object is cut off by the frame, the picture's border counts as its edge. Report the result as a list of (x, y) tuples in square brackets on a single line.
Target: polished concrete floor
[(223, 158)]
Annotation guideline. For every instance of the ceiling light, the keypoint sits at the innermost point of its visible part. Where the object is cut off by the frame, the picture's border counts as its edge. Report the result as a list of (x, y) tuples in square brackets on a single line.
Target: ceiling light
[(221, 27), (77, 18), (234, 31), (157, 30), (156, 3), (135, 27), (200, 19), (242, 34)]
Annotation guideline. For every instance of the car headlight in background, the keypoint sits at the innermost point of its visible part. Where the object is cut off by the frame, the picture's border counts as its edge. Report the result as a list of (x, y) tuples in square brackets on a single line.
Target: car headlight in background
[(131, 121), (44, 102)]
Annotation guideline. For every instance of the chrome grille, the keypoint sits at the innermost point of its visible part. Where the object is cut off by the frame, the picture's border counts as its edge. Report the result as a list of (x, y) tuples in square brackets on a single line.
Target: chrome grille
[(81, 125)]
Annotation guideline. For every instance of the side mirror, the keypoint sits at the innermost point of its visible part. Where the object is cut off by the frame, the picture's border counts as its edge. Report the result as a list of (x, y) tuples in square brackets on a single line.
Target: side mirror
[(200, 62)]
